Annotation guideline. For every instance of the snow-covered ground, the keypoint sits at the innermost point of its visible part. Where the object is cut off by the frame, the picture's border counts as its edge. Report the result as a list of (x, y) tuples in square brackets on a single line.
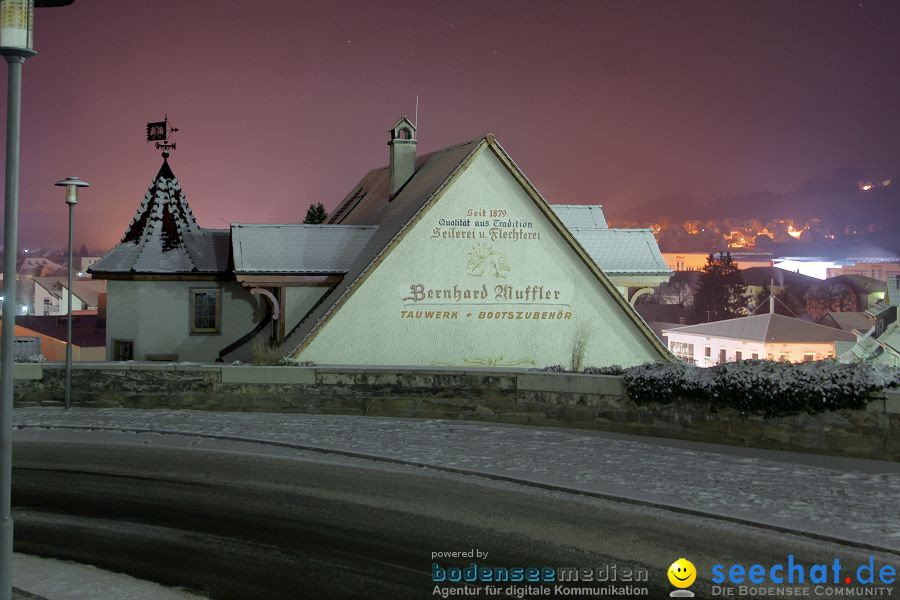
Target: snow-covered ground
[(850, 499), (62, 580)]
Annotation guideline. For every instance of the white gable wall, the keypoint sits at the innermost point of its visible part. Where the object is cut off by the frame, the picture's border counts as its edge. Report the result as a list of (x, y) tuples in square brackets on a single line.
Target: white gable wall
[(44, 298), (455, 248)]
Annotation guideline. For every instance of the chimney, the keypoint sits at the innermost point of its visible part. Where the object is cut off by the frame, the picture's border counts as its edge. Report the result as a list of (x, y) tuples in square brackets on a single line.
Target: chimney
[(403, 154)]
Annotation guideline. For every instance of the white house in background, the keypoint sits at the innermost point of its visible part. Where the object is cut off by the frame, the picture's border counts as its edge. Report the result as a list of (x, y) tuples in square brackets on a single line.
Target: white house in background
[(629, 257), (450, 258), (51, 295), (768, 336)]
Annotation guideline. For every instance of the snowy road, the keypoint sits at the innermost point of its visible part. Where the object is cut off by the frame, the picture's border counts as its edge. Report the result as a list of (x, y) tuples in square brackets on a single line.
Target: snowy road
[(238, 520), (849, 499)]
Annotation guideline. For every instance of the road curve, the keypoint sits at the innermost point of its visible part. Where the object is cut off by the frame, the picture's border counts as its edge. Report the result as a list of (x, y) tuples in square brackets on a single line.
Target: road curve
[(249, 524)]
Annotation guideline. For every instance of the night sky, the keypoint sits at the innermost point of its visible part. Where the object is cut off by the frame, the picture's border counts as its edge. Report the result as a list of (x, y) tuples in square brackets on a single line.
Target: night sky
[(283, 103)]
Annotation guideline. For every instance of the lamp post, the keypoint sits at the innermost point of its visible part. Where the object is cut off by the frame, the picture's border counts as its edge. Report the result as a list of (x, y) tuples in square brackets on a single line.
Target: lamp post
[(71, 184), (16, 32)]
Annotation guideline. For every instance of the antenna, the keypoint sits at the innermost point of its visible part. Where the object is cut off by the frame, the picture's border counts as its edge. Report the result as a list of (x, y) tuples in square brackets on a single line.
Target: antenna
[(416, 124)]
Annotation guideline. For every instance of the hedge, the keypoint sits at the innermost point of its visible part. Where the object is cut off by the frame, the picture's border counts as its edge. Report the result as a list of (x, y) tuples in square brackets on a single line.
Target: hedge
[(765, 387)]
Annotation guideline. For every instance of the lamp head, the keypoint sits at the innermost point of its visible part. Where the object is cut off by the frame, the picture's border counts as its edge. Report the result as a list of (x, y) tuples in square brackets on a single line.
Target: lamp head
[(72, 184), (17, 26)]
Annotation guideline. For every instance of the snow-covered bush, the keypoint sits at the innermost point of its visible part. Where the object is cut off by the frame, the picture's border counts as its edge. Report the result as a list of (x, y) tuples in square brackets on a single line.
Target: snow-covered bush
[(611, 370), (763, 387), (653, 382)]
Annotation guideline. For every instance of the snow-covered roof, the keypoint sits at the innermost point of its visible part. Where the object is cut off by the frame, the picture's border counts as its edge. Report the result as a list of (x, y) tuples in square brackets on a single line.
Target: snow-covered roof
[(164, 237), (768, 327), (587, 216), (297, 248), (623, 251), (848, 321), (88, 290)]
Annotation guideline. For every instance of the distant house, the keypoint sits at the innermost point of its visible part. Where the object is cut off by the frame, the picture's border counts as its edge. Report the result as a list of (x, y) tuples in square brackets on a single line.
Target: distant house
[(629, 257), (768, 336), (88, 336), (51, 295), (696, 261), (757, 279), (876, 268)]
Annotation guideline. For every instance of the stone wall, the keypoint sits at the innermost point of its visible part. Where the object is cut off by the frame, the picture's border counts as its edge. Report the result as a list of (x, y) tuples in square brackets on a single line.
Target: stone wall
[(507, 396)]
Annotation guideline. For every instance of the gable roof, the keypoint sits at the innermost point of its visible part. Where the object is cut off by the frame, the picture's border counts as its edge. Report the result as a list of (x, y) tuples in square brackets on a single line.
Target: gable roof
[(164, 237), (623, 251), (848, 321), (88, 290), (761, 276), (369, 203), (768, 328), (587, 216), (299, 249)]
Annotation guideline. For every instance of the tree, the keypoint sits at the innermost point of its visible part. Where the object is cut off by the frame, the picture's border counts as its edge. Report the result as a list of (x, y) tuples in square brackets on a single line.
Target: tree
[(669, 292), (827, 297), (315, 214), (720, 290), (83, 251)]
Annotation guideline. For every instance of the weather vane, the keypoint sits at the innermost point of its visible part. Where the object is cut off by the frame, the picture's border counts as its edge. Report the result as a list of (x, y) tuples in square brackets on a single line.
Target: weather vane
[(159, 132)]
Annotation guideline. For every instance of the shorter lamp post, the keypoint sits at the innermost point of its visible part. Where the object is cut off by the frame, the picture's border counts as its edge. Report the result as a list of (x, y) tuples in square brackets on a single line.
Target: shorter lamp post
[(71, 184)]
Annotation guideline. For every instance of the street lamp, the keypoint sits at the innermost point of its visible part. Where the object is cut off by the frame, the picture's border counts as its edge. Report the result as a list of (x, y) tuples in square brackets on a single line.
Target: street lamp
[(16, 44), (71, 184)]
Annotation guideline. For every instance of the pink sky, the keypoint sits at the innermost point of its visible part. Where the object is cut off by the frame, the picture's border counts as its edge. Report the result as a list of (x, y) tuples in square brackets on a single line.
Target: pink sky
[(283, 103)]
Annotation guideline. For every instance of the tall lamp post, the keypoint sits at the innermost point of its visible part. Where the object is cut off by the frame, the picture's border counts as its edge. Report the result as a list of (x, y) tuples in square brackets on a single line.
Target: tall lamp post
[(71, 184), (16, 31)]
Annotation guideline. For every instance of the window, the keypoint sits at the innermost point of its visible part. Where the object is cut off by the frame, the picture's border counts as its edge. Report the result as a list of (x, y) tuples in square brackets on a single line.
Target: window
[(809, 357), (205, 310), (683, 350), (123, 350), (784, 356), (46, 306), (723, 355), (738, 355), (707, 351), (755, 356)]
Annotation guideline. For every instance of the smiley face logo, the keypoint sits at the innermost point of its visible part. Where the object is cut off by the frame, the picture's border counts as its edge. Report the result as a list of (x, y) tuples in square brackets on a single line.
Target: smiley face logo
[(682, 573)]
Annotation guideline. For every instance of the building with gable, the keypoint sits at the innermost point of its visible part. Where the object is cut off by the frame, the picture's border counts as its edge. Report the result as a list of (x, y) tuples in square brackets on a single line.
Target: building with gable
[(767, 336), (448, 258)]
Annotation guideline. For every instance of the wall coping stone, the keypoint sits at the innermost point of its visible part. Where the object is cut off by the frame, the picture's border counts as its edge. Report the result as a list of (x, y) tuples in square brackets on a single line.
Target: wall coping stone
[(892, 401), (573, 383), (268, 375)]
